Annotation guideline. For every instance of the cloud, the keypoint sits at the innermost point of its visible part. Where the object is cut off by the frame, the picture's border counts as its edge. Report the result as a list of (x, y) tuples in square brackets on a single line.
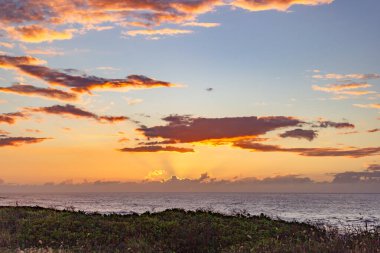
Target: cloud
[(370, 175), (158, 32), (371, 106), (149, 149), (345, 89), (76, 112), (36, 131), (280, 5), (133, 101), (160, 180), (338, 125), (347, 76), (80, 82), (38, 21), (374, 130), (373, 167), (38, 34), (18, 141), (11, 118), (201, 24), (3, 133), (14, 61), (6, 45), (186, 129), (45, 51), (300, 134), (340, 87), (317, 152), (50, 93)]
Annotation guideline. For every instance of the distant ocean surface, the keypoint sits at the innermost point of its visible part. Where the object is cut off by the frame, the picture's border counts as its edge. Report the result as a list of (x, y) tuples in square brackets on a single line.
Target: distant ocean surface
[(340, 210)]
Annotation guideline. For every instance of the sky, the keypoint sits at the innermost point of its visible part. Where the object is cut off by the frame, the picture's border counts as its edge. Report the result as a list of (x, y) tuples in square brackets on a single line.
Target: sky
[(215, 95)]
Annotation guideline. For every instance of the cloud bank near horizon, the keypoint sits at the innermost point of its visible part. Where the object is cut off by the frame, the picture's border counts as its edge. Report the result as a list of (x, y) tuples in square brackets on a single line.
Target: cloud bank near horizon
[(367, 180)]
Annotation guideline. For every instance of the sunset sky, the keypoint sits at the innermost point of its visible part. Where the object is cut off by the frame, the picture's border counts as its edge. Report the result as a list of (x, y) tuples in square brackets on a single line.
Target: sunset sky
[(131, 90)]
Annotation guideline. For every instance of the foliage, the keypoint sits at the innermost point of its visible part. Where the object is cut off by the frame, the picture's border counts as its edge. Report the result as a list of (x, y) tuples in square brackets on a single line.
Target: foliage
[(47, 230)]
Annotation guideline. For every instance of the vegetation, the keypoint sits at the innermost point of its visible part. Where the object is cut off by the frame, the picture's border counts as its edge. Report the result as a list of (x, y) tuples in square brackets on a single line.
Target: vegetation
[(35, 229)]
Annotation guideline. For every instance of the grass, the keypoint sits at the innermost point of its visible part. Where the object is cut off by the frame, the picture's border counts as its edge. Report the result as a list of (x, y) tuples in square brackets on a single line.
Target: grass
[(35, 229)]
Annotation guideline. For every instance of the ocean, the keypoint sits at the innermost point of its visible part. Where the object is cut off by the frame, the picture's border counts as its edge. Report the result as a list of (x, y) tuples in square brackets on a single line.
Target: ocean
[(340, 210)]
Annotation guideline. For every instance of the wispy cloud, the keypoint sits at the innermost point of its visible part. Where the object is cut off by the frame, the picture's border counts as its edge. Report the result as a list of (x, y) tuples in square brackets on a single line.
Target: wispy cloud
[(11, 118), (316, 152), (49, 93), (201, 24), (18, 141), (73, 111), (149, 149), (371, 106), (77, 82), (280, 5), (348, 76), (38, 34), (300, 134), (155, 33)]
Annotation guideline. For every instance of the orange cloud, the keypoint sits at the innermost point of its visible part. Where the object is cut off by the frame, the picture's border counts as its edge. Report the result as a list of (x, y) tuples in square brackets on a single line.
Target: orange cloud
[(373, 106), (347, 76), (280, 5), (159, 32), (29, 90), (14, 61), (341, 87), (201, 24), (38, 34), (345, 89), (37, 20)]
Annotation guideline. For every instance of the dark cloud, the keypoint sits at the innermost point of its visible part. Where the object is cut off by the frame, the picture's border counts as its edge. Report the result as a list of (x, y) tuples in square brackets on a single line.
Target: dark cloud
[(186, 129), (209, 89), (370, 175), (11, 118), (18, 141), (86, 83), (339, 125), (80, 82), (318, 152), (346, 182), (374, 130), (300, 134), (149, 149), (13, 61), (71, 110), (30, 90), (373, 167)]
